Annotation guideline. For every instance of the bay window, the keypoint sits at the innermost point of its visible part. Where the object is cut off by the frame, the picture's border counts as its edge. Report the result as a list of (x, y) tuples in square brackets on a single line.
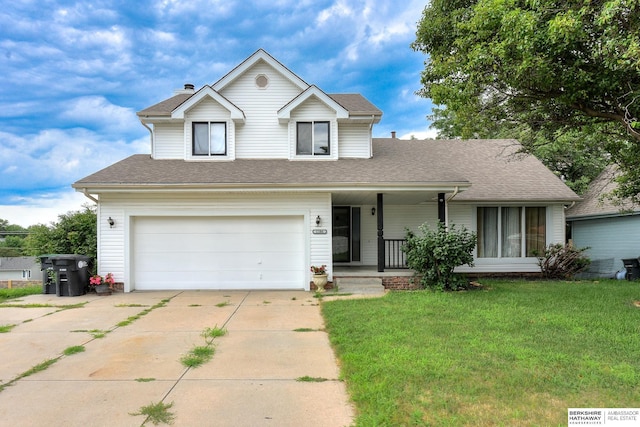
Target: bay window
[(511, 232)]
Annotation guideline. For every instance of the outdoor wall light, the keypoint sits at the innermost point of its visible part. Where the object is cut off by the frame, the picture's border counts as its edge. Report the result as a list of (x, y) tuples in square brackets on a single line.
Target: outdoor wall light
[(373, 211), (111, 222), (318, 220)]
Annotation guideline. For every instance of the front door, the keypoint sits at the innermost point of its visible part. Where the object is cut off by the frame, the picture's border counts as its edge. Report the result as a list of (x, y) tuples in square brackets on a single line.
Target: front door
[(346, 234)]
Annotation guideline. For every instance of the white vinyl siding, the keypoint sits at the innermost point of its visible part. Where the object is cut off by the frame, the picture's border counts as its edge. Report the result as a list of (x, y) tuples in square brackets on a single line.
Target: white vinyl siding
[(114, 243), (354, 140), (261, 136), (313, 111), (208, 111), (168, 141), (610, 240)]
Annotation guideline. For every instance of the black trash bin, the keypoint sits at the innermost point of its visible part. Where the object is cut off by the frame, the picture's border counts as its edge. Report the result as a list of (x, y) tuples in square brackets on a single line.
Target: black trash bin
[(632, 265), (72, 274), (48, 274)]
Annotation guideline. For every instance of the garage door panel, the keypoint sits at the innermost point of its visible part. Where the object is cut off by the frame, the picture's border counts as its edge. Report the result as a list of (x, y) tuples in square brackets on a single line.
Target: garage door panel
[(201, 261), (218, 253)]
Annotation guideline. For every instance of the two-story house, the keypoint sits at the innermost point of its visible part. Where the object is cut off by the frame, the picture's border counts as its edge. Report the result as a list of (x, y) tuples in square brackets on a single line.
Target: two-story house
[(257, 177)]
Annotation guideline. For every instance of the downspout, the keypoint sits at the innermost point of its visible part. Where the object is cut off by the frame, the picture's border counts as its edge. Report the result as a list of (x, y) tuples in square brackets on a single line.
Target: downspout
[(373, 119), (446, 205), (150, 138)]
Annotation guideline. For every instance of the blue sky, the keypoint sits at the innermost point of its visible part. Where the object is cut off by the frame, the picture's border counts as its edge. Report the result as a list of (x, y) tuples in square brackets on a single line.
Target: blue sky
[(73, 75)]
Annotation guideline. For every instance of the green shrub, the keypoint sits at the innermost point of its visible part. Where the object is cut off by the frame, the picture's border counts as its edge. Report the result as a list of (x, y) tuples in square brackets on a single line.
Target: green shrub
[(562, 261), (436, 253)]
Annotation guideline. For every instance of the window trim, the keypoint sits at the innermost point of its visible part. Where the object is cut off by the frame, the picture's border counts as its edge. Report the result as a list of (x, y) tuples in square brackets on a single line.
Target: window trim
[(523, 235), (209, 154), (313, 135)]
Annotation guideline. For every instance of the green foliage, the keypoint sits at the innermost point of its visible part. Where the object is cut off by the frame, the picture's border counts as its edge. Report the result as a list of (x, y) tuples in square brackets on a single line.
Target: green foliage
[(562, 261), (540, 72), (12, 239), (74, 233), (436, 253)]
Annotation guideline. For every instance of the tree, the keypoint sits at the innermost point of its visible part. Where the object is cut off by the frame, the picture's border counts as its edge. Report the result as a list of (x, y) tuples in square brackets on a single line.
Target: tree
[(11, 239), (74, 233), (546, 72)]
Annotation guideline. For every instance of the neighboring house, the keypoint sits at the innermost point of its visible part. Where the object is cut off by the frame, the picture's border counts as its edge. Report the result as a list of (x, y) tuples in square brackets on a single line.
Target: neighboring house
[(21, 268), (610, 230), (257, 177)]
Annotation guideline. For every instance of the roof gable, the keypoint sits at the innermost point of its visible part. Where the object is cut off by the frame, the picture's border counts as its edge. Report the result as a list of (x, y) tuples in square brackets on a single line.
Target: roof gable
[(284, 114), (259, 55), (207, 92), (595, 202)]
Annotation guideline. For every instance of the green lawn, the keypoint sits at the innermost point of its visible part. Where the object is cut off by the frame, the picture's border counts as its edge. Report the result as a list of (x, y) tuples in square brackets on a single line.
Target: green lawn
[(6, 294), (515, 353)]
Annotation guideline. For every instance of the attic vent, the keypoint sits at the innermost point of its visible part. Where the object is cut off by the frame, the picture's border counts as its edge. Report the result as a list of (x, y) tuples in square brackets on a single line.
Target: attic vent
[(262, 81)]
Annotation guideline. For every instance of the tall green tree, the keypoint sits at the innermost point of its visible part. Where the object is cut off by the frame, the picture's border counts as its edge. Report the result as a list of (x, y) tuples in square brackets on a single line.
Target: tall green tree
[(74, 233), (12, 238), (562, 76)]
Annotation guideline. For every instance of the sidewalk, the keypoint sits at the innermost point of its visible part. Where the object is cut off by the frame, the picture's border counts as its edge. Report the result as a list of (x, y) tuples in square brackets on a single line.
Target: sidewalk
[(251, 380)]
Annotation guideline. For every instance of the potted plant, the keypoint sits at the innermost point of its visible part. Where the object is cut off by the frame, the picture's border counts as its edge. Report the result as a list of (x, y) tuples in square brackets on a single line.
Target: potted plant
[(102, 286), (319, 277)]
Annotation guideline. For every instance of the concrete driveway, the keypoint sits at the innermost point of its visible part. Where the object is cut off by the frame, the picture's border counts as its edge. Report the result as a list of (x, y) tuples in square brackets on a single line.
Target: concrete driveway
[(252, 379)]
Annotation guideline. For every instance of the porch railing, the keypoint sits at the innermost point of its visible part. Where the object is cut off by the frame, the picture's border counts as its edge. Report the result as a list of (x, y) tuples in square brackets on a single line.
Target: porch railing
[(393, 255)]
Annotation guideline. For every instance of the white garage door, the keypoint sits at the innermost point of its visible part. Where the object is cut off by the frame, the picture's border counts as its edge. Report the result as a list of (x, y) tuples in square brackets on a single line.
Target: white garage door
[(218, 253)]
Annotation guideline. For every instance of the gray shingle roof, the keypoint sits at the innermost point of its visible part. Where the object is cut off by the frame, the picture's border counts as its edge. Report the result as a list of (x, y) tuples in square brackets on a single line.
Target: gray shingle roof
[(355, 103), (490, 166), (595, 202), (165, 107), (19, 263)]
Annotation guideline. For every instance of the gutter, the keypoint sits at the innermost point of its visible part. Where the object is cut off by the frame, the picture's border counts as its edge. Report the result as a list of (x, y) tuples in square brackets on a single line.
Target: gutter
[(89, 196)]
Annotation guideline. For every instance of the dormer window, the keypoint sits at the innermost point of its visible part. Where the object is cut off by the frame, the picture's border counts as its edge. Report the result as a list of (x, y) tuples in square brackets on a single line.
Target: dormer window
[(209, 139), (312, 139)]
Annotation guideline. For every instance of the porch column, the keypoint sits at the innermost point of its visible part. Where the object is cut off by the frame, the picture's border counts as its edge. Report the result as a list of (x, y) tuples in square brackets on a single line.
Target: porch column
[(442, 210), (379, 211)]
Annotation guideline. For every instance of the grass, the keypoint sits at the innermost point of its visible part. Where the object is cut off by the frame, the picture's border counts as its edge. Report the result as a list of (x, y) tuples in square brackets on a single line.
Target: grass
[(6, 328), (197, 356), (157, 413), (73, 350), (200, 355), (516, 353), (308, 379), (6, 294)]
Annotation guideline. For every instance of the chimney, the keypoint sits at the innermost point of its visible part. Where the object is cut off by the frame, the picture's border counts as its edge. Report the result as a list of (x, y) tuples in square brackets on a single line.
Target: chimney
[(188, 88), (393, 134)]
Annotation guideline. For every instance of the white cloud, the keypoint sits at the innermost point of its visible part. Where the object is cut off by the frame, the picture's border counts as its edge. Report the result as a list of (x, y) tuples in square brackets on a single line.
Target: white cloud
[(97, 110), (420, 134), (56, 158), (42, 209)]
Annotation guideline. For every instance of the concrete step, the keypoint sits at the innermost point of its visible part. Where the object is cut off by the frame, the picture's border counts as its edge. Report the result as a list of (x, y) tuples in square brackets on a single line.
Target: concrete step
[(359, 285)]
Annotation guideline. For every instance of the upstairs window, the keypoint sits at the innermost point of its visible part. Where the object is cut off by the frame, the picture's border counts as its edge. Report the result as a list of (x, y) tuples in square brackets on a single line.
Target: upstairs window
[(511, 232), (209, 139), (312, 139)]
